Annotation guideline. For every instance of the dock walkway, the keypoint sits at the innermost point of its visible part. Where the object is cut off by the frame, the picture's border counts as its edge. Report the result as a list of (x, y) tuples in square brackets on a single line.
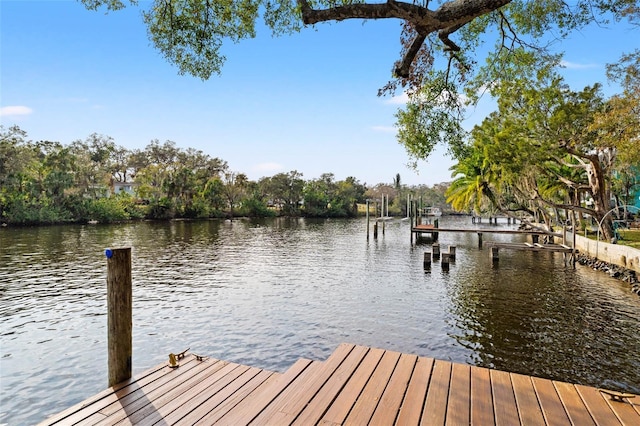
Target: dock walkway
[(427, 228), (356, 385)]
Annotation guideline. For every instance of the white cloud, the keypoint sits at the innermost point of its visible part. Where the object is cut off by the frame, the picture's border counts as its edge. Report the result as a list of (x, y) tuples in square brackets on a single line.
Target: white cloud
[(575, 66), (398, 100), (384, 129), (15, 110), (268, 167)]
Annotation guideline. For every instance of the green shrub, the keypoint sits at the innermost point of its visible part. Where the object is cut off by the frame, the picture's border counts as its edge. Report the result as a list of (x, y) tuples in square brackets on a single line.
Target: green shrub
[(108, 210)]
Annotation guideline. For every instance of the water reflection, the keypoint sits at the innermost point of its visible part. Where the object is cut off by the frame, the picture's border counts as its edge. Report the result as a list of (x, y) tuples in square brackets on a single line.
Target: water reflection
[(267, 292)]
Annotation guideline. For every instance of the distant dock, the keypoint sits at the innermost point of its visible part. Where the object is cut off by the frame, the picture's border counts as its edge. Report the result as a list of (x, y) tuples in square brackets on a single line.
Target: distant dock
[(432, 231)]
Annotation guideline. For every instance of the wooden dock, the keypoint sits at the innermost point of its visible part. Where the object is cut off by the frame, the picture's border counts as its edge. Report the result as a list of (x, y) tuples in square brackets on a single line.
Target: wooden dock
[(555, 248), (356, 385), (428, 228)]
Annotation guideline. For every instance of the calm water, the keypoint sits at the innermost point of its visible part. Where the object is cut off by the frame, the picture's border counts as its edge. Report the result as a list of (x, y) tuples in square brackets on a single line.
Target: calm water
[(267, 292)]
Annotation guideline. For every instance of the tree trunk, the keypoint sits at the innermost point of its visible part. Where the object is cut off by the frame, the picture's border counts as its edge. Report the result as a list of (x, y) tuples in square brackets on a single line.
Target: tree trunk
[(600, 194)]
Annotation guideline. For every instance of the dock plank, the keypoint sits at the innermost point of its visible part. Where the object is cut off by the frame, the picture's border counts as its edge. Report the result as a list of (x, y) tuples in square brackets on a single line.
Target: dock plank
[(355, 385), (597, 406), (624, 410), (411, 409), (389, 405), (206, 416), (481, 397), (550, 403), (459, 403), (315, 409), (527, 400), (138, 393), (285, 408), (149, 408), (245, 411), (339, 410), (86, 408), (504, 400), (369, 398), (435, 407), (202, 393), (573, 404)]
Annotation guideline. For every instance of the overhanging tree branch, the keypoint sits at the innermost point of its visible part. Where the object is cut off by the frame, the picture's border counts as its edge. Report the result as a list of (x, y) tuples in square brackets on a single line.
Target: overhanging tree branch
[(447, 19)]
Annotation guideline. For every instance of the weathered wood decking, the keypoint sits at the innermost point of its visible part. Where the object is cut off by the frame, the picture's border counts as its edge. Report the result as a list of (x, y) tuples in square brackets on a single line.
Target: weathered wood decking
[(428, 228), (355, 385)]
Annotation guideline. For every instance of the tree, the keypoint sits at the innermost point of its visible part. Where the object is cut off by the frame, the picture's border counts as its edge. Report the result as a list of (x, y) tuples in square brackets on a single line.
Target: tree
[(540, 151), (286, 191), (235, 184), (619, 123), (442, 66)]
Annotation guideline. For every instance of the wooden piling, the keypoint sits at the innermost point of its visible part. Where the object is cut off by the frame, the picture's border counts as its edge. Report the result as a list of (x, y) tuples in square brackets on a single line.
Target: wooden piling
[(375, 230), (452, 253), (494, 254), (444, 262), (435, 248), (573, 234), (367, 219), (479, 239), (119, 318), (427, 260)]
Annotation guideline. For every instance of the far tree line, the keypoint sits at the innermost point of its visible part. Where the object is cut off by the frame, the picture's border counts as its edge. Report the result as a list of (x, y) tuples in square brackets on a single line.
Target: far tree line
[(95, 179)]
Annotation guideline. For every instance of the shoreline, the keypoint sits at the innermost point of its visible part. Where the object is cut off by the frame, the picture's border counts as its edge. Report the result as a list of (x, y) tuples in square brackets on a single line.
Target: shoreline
[(614, 271)]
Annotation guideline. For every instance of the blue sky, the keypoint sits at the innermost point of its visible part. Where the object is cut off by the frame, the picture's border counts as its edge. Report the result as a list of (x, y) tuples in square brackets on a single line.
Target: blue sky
[(305, 102)]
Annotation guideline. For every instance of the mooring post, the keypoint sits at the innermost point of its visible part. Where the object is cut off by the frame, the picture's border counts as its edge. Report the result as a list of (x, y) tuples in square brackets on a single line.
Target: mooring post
[(375, 230), (436, 225), (494, 254), (452, 253), (444, 262), (435, 248), (427, 260), (119, 318), (480, 240), (367, 219), (573, 234)]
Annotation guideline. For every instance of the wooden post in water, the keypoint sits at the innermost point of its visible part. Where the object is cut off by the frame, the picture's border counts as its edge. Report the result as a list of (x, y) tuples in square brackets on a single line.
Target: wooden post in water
[(444, 263), (452, 253), (375, 230), (427, 260), (573, 232), (480, 240), (119, 318), (494, 254), (435, 247), (367, 219)]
